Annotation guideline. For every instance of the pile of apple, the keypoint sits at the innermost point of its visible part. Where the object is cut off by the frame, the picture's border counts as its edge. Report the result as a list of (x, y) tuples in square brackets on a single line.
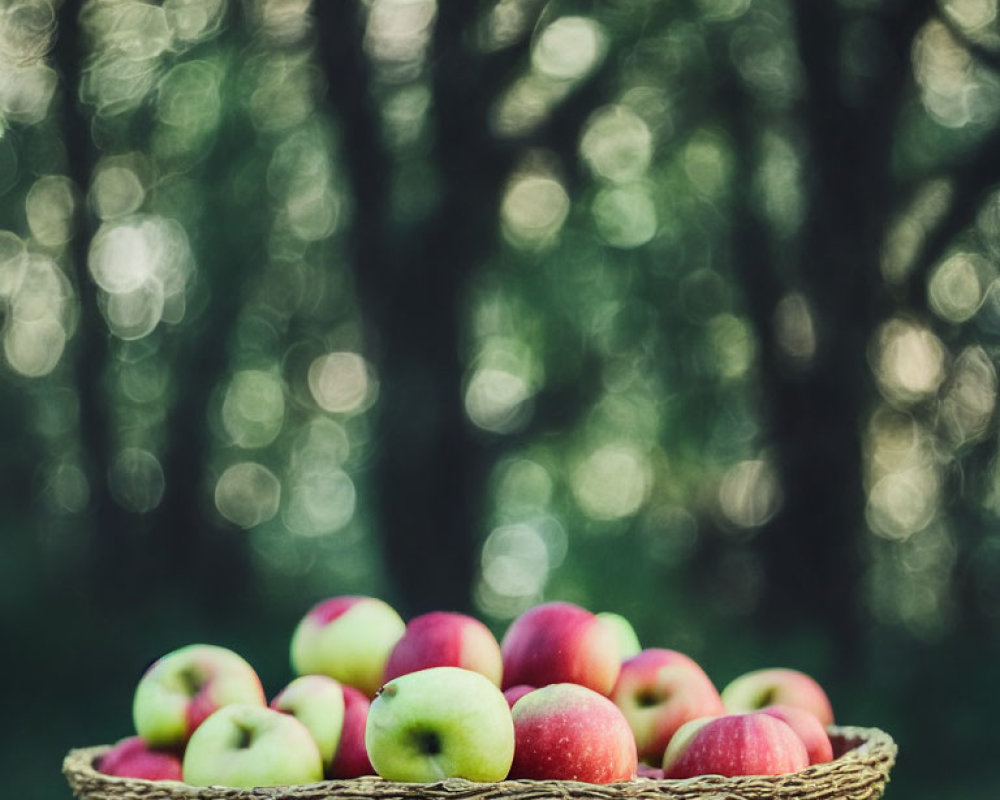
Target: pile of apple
[(567, 695)]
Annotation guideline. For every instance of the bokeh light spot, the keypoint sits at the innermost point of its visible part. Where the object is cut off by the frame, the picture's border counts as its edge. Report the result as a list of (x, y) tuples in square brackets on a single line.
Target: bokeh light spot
[(569, 48), (533, 210), (341, 383), (612, 482), (49, 207), (136, 480), (248, 494), (617, 144), (625, 215), (253, 409), (956, 290), (749, 493)]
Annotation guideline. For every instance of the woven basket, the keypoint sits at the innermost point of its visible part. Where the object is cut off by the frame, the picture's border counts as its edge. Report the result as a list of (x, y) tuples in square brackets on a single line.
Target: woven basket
[(860, 771)]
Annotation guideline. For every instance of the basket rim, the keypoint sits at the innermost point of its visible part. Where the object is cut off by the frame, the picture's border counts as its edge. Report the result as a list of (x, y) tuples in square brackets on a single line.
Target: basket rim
[(868, 752)]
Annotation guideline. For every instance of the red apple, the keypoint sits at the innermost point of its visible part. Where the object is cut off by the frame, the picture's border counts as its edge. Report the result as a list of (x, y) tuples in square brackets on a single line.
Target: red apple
[(515, 693), (565, 731), (659, 690), (133, 758), (445, 639), (734, 744), (754, 690), (182, 688), (351, 760), (560, 642), (808, 729)]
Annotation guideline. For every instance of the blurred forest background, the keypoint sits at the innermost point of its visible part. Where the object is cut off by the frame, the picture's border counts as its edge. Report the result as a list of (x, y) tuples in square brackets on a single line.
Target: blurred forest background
[(684, 309)]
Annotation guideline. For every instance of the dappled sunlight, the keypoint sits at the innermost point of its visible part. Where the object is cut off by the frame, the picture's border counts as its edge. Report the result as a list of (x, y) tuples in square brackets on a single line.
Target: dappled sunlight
[(612, 481), (136, 479), (50, 206), (397, 36), (625, 216), (563, 53), (902, 475), (280, 86), (617, 144), (139, 262), (958, 284), (908, 233), (516, 562), (749, 494), (342, 383), (731, 344), (794, 331), (248, 494), (321, 500), (188, 109), (969, 398), (568, 48), (908, 361), (779, 183), (904, 501), (27, 82), (39, 301), (253, 410), (64, 488), (533, 210), (911, 583), (300, 178), (116, 189), (708, 163), (955, 91), (764, 55), (971, 15), (495, 399), (504, 377)]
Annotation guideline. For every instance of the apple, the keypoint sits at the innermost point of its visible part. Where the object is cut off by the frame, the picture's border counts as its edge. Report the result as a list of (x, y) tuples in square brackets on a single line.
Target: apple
[(628, 639), (515, 693), (560, 642), (445, 639), (734, 744), (133, 758), (651, 772), (756, 689), (249, 745), (565, 731), (807, 728), (352, 759), (658, 690), (317, 701), (183, 687), (348, 638), (437, 723)]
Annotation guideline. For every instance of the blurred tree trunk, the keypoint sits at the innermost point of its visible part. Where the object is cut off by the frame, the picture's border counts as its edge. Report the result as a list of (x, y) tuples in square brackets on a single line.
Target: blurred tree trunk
[(116, 572), (173, 548), (815, 414), (428, 470)]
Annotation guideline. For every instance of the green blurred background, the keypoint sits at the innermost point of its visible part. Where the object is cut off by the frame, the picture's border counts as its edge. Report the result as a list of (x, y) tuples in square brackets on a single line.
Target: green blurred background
[(683, 309)]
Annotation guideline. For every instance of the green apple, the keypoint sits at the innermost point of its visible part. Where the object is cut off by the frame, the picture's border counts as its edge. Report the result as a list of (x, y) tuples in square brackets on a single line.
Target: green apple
[(181, 689), (317, 701), (628, 640), (348, 638), (437, 723), (245, 745)]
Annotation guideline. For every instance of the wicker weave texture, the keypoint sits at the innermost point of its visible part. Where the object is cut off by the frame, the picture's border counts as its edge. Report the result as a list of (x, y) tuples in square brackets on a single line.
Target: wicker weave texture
[(859, 772)]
